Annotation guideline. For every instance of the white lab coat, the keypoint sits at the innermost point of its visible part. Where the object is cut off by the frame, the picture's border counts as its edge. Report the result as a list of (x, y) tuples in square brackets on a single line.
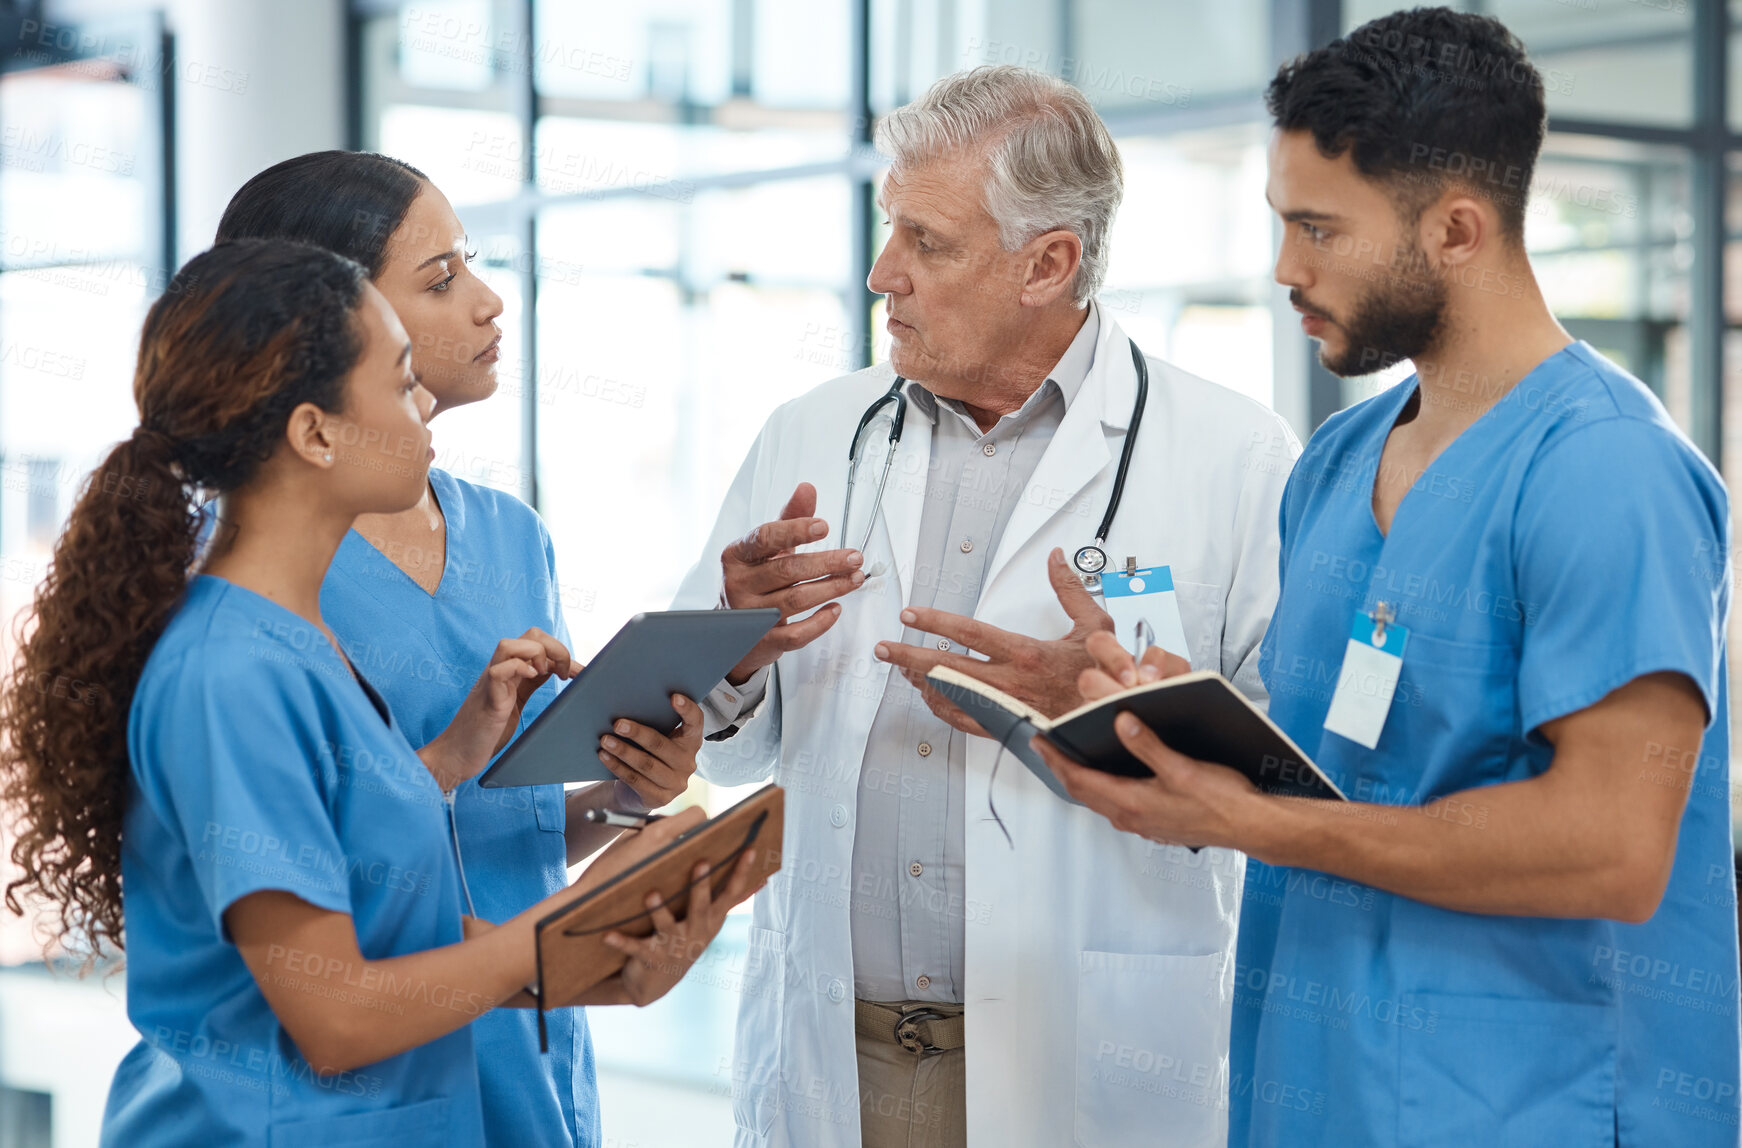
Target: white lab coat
[(1099, 967)]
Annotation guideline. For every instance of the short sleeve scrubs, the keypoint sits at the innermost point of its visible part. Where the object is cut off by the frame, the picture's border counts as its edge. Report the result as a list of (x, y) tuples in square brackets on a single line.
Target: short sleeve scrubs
[(259, 763), (424, 652), (1570, 541)]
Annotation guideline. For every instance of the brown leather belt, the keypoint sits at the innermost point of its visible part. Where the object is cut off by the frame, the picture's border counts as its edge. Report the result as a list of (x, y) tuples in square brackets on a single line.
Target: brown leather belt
[(919, 1028)]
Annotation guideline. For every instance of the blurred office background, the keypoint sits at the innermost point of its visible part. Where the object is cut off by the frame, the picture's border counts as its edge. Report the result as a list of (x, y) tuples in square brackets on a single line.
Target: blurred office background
[(674, 198)]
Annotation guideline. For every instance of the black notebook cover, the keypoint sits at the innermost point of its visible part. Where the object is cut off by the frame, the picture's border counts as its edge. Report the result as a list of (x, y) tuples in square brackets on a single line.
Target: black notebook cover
[(1200, 715)]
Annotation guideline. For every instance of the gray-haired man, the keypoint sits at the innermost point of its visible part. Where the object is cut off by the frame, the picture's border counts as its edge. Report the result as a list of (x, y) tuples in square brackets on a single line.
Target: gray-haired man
[(914, 974)]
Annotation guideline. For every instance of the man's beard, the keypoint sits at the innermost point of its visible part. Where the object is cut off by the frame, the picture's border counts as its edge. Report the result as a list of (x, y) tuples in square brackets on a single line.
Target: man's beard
[(1389, 322)]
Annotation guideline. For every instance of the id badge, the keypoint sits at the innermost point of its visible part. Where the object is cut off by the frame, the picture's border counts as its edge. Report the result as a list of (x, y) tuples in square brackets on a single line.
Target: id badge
[(1372, 663), (1146, 595)]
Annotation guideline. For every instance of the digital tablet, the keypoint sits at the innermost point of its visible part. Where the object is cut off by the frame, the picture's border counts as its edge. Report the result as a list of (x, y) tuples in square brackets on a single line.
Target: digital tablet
[(653, 656)]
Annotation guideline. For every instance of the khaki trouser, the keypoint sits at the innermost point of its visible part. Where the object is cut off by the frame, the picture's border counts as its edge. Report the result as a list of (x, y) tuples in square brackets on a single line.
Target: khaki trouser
[(909, 1099)]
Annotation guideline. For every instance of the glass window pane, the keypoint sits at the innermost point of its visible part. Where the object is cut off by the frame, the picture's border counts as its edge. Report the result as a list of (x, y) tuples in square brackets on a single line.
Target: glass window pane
[(68, 339), (451, 44), (1600, 59), (473, 156), (463, 55), (708, 53), (1165, 52), (73, 180), (653, 380), (1609, 234), (913, 42), (1196, 295), (81, 189), (801, 48), (1646, 83), (674, 51), (595, 155)]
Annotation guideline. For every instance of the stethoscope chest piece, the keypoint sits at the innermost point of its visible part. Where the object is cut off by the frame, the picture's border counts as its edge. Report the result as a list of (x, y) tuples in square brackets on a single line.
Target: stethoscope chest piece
[(1090, 561)]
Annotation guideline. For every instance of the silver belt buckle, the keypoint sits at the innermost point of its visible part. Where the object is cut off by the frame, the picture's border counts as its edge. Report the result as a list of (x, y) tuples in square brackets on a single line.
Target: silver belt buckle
[(907, 1030)]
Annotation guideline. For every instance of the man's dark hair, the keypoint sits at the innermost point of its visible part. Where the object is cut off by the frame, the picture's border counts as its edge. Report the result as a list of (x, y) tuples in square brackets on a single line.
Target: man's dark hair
[(1423, 99)]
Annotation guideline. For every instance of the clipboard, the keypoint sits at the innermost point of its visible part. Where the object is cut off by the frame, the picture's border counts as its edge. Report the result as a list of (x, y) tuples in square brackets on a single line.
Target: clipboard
[(568, 943)]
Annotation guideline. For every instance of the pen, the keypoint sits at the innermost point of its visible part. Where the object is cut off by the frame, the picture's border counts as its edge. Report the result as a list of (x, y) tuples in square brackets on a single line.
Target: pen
[(1145, 639), (620, 819)]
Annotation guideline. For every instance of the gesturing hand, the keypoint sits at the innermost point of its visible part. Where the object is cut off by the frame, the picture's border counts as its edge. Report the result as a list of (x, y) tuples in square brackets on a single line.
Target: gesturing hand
[(1042, 674), (491, 712), (763, 569)]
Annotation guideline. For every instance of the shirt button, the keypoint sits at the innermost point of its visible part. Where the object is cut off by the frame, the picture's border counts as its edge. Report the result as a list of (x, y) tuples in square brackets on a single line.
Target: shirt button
[(967, 546), (989, 449), (922, 981), (944, 645), (925, 749), (838, 816), (837, 991), (916, 868)]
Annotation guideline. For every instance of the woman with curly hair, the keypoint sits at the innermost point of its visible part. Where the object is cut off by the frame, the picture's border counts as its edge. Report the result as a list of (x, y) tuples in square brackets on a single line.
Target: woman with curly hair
[(203, 778), (419, 597)]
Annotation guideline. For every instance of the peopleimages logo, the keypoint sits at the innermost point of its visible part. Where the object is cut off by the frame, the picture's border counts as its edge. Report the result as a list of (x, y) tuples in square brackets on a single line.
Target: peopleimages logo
[(1302, 998)]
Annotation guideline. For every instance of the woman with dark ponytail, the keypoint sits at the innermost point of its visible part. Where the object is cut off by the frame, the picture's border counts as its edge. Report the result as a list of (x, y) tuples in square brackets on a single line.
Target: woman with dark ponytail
[(201, 776), (420, 596)]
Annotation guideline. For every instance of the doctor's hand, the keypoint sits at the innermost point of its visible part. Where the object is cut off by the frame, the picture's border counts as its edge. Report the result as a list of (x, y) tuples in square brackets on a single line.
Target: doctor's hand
[(1186, 802), (491, 712), (763, 569), (1042, 674), (655, 767)]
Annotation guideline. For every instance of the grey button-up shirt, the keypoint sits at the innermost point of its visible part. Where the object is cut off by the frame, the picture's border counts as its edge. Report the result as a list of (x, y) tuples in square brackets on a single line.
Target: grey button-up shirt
[(908, 845)]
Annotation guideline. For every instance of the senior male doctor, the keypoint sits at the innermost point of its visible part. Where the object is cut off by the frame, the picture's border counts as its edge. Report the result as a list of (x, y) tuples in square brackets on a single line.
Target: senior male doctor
[(953, 954)]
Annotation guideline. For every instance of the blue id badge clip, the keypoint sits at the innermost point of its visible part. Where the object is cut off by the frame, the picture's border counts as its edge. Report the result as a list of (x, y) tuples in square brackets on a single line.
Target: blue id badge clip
[(1372, 663), (1132, 595)]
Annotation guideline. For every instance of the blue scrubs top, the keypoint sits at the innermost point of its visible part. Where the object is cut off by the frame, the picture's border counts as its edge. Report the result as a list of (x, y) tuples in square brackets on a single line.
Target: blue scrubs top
[(424, 652), (258, 762), (1568, 542)]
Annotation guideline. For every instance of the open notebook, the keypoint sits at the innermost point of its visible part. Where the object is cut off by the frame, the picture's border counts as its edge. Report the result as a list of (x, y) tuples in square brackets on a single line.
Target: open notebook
[(1199, 714)]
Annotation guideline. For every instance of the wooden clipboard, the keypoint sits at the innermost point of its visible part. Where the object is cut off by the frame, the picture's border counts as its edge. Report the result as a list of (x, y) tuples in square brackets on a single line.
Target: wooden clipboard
[(569, 943)]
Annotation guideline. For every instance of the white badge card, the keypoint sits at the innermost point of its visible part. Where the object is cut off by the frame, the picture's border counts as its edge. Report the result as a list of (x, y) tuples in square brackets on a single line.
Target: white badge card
[(1146, 595), (1372, 663)]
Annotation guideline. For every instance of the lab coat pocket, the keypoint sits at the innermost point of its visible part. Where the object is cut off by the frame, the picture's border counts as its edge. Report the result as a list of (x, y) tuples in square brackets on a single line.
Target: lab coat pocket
[(548, 804), (1203, 609), (425, 1122), (1152, 1050), (756, 1083), (1505, 1073)]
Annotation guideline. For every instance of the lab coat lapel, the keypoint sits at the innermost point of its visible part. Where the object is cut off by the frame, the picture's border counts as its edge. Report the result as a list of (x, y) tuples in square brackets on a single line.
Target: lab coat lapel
[(1078, 453)]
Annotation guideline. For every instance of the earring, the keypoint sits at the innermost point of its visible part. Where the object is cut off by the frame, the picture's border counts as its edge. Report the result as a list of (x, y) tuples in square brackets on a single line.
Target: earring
[(328, 457)]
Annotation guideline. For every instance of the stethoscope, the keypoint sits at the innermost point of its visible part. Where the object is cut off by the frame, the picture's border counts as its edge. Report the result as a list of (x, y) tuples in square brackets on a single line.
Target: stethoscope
[(1089, 560)]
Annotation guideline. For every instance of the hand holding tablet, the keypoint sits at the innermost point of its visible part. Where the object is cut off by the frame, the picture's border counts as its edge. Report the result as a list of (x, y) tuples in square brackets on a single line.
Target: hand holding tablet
[(655, 655)]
